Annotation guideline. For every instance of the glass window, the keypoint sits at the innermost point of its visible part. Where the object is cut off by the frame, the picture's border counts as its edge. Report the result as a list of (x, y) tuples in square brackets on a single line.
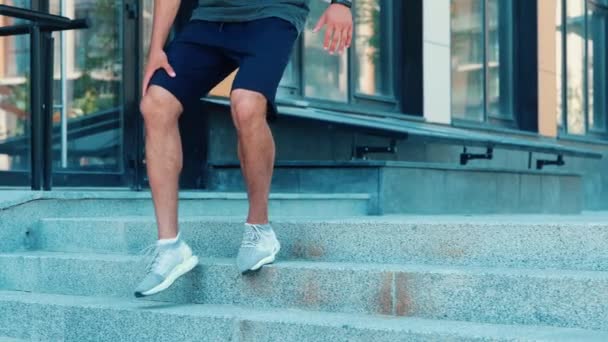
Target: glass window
[(499, 62), (372, 55), (14, 96), (583, 74), (481, 59), (147, 18), (325, 76), (468, 59), (597, 69), (575, 69), (559, 63), (363, 74)]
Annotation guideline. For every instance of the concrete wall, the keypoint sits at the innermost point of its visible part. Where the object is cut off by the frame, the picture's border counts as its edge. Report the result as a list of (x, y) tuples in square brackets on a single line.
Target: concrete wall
[(307, 140)]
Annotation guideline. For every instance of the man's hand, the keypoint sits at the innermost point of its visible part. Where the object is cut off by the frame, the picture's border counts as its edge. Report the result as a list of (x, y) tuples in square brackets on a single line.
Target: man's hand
[(156, 60), (339, 32)]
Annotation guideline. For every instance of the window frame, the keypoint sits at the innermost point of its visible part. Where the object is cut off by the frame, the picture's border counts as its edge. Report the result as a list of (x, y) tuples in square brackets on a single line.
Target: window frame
[(591, 133), (294, 93), (490, 118), (603, 10)]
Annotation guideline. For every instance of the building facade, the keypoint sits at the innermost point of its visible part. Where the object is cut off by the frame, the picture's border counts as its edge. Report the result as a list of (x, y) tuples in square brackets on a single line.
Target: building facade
[(527, 70)]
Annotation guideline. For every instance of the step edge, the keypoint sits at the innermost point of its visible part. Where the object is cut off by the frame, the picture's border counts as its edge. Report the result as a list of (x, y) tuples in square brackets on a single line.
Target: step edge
[(523, 220), (114, 195), (547, 274), (318, 318)]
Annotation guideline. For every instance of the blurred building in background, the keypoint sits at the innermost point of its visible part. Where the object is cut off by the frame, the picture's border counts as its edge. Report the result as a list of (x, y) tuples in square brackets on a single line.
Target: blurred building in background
[(527, 70)]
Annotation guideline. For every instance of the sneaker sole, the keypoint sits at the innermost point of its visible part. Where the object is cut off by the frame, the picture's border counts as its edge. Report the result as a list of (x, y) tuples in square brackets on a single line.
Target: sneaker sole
[(177, 272), (267, 260)]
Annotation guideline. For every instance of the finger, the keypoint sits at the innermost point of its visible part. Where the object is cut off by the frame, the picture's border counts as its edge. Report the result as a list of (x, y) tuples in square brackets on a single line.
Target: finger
[(169, 69), (329, 32), (335, 41), (343, 39), (349, 37), (320, 24), (146, 83)]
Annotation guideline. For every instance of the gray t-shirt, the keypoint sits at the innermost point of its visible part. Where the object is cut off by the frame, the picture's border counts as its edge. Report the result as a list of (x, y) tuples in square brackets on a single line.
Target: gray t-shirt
[(294, 11)]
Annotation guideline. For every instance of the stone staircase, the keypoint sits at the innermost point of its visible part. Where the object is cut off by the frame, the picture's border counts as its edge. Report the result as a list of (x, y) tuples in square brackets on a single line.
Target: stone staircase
[(342, 276)]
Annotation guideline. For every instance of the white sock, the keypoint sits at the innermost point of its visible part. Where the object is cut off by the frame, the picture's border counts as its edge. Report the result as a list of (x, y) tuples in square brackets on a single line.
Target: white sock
[(166, 242)]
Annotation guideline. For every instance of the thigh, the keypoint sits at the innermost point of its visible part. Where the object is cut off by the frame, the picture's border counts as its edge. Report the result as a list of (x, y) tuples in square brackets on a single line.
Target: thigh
[(198, 68), (269, 48)]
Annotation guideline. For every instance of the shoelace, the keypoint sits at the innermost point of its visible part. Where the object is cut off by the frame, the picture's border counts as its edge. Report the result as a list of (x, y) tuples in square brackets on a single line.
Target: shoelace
[(151, 254), (251, 236)]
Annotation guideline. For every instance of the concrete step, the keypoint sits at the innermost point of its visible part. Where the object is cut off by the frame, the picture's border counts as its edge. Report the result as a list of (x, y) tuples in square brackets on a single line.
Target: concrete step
[(576, 299), (564, 242), (70, 203), (71, 318), (24, 212)]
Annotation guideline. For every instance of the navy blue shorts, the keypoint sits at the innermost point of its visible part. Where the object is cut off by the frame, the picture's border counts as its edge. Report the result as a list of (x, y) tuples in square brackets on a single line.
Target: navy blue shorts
[(204, 53)]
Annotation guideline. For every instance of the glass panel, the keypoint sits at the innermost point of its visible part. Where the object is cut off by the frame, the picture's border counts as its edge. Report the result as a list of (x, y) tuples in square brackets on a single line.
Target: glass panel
[(575, 36), (559, 111), (289, 76), (499, 60), (598, 77), (467, 59), (146, 26), (325, 76), (14, 96), (372, 58), (88, 118), (290, 83)]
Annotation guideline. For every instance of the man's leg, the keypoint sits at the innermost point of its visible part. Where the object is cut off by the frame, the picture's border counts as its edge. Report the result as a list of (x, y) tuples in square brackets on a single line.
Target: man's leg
[(256, 150), (262, 60), (172, 257), (161, 111)]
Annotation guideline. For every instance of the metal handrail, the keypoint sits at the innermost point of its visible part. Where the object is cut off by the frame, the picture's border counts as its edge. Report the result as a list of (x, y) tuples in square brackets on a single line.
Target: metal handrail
[(20, 29), (34, 16)]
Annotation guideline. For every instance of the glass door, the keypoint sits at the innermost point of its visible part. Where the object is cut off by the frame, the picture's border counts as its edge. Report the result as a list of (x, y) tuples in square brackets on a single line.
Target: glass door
[(94, 79)]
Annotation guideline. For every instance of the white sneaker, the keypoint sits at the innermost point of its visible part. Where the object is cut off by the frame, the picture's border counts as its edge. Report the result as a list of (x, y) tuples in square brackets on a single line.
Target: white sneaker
[(259, 247), (169, 262)]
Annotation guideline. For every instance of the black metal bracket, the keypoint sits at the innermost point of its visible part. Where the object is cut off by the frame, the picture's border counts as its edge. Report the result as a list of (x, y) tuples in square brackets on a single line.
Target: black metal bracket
[(362, 151), (540, 163), (465, 156)]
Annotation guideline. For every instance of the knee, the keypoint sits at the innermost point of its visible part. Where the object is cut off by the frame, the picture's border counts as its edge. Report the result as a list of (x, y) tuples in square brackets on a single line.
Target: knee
[(248, 109), (158, 112)]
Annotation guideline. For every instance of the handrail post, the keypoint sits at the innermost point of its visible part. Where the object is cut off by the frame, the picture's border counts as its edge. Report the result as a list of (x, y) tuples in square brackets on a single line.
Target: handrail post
[(47, 111), (36, 110)]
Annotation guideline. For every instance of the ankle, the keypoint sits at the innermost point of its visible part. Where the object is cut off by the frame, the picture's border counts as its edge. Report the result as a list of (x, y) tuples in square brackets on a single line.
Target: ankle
[(168, 242)]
